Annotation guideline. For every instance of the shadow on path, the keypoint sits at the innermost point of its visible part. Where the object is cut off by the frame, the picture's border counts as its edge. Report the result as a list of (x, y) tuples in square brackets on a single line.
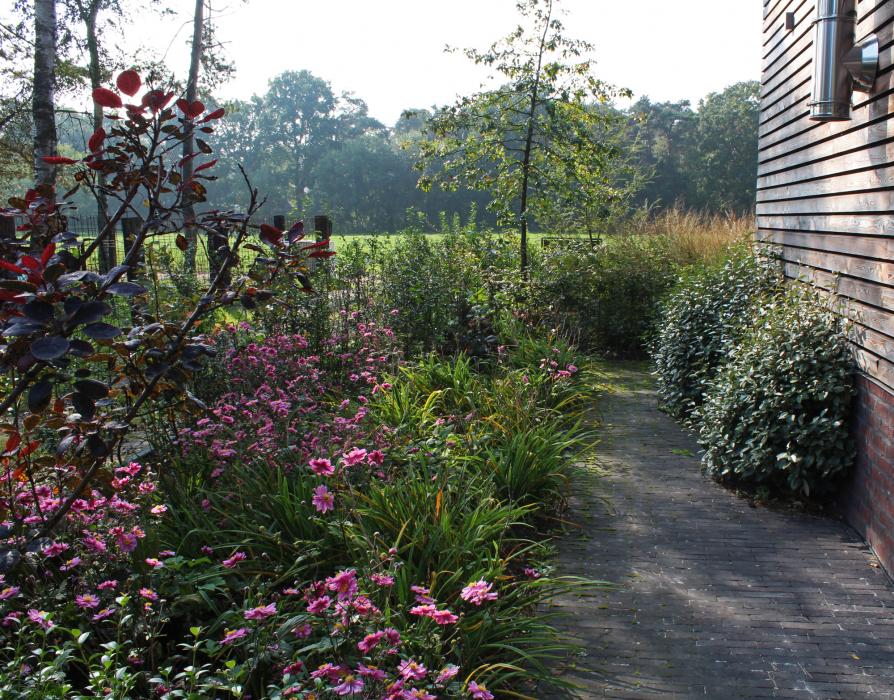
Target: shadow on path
[(717, 599)]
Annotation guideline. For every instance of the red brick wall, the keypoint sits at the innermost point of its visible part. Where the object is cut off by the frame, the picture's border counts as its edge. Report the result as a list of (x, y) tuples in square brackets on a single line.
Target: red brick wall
[(869, 499)]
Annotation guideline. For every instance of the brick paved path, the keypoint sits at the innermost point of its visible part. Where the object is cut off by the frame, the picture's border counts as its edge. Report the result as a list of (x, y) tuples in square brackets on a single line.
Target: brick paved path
[(718, 599)]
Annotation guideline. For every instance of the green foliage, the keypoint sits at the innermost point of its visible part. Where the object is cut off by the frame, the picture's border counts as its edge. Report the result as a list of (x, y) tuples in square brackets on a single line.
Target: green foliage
[(705, 159), (699, 323), (534, 138), (777, 414), (607, 293)]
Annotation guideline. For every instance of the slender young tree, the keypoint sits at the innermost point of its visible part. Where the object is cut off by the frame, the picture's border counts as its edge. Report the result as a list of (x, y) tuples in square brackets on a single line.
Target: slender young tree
[(536, 135), (192, 91), (42, 103)]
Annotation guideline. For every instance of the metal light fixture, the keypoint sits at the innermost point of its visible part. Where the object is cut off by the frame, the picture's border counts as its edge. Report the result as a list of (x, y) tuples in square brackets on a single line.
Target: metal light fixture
[(840, 66)]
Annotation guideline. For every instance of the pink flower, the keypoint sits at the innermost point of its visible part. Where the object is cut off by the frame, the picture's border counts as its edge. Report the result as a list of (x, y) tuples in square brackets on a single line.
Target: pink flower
[(349, 685), (422, 595), (382, 580), (344, 583), (70, 564), (103, 614), (233, 560), (154, 563), (330, 671), (131, 469), (532, 573), (392, 636), (292, 668), (410, 670), (111, 584), (88, 600), (40, 618), (262, 612), (370, 642), (149, 594), (231, 636), (419, 694), (318, 605), (54, 549), (444, 617), (323, 499), (207, 551), (447, 674), (479, 692), (95, 544), (322, 466), (9, 592), (478, 592), (354, 457), (371, 672), (303, 631), (572, 369), (423, 610), (159, 510), (375, 458)]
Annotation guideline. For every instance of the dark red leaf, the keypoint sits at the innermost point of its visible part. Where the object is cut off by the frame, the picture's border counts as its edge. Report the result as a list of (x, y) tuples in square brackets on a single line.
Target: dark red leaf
[(30, 263), (47, 254), (190, 110), (49, 348), (296, 233), (106, 98), (12, 268), (96, 141), (271, 234), (58, 160), (205, 166), (157, 100), (216, 114), (39, 396), (14, 441), (129, 82)]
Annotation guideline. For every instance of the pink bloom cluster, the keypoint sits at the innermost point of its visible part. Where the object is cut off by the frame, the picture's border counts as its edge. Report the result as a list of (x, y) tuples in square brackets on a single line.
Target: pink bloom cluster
[(281, 409), (376, 662)]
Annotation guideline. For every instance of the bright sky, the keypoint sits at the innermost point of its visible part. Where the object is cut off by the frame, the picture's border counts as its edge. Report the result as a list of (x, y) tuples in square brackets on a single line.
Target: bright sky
[(390, 52)]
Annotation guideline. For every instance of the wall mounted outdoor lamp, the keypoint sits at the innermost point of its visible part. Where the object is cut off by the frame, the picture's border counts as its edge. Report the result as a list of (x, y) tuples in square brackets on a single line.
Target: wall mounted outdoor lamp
[(840, 66)]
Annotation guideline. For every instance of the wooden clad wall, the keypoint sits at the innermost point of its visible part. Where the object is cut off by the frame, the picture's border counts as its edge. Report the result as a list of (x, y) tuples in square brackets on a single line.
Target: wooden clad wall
[(825, 195)]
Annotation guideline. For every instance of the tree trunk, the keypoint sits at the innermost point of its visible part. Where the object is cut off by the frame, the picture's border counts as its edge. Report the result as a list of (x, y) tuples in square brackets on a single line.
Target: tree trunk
[(529, 146), (107, 257), (42, 105), (192, 89)]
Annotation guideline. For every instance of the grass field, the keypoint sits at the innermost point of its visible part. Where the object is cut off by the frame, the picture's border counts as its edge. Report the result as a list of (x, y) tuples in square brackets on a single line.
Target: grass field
[(166, 246)]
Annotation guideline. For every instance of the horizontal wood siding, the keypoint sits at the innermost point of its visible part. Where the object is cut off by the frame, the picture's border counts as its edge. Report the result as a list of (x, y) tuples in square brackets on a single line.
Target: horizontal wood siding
[(825, 199)]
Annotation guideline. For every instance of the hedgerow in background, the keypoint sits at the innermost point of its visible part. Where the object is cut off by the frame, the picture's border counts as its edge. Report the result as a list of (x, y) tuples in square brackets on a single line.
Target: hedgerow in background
[(606, 293), (699, 323), (777, 414)]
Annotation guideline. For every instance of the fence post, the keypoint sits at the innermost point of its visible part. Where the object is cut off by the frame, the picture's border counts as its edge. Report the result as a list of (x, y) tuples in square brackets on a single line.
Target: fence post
[(279, 221), (218, 249), (130, 227), (108, 249), (323, 227), (7, 227)]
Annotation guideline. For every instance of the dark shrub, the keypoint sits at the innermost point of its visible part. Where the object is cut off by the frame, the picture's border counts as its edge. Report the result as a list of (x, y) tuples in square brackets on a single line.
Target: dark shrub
[(776, 415), (698, 325), (608, 293)]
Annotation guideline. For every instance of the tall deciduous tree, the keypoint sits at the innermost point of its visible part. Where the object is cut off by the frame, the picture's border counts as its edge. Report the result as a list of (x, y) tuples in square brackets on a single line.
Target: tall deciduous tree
[(533, 137), (43, 109), (726, 137)]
